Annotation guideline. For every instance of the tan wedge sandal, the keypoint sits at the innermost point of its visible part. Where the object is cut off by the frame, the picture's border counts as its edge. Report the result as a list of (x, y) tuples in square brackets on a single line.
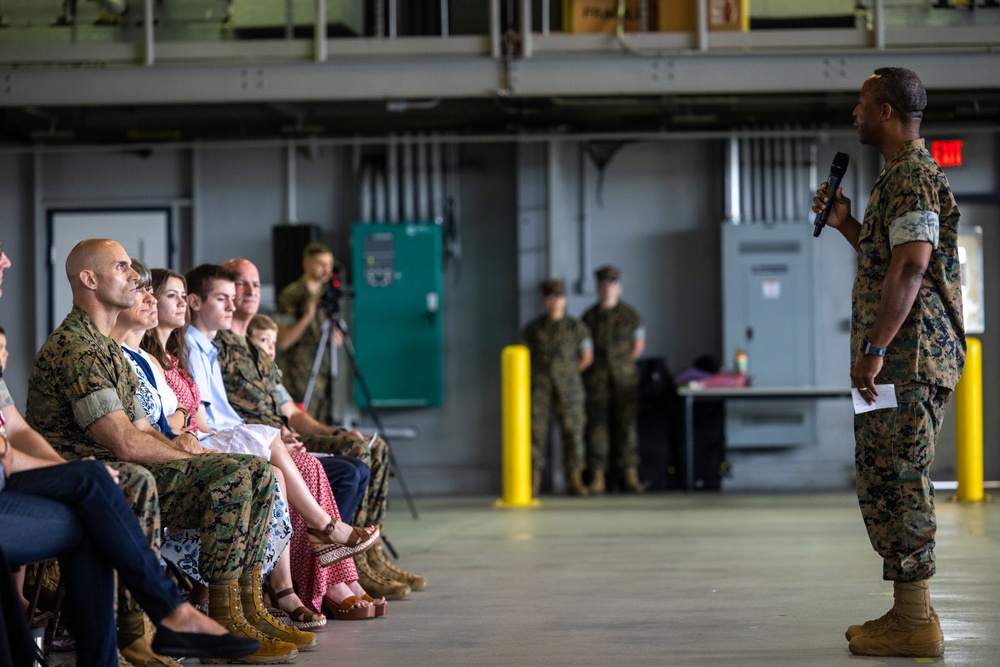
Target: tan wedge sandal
[(329, 551)]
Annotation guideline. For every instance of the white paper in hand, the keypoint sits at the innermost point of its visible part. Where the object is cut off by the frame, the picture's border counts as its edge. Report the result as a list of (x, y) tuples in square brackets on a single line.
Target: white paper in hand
[(886, 399)]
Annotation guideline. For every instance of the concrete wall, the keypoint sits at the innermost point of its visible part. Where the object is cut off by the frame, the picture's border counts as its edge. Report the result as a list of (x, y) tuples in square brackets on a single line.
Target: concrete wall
[(662, 207)]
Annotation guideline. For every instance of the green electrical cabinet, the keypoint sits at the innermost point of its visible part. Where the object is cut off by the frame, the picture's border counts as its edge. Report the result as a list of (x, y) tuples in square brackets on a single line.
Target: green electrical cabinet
[(398, 325)]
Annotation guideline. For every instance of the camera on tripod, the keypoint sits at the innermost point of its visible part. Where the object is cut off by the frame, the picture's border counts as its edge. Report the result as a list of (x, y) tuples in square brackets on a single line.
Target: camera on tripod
[(330, 301)]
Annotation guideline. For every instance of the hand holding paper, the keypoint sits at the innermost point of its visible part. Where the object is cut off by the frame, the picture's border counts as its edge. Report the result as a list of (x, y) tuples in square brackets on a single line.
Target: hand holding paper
[(886, 399)]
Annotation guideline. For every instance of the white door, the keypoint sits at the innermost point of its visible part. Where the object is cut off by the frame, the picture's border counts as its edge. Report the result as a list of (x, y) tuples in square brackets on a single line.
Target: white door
[(145, 235)]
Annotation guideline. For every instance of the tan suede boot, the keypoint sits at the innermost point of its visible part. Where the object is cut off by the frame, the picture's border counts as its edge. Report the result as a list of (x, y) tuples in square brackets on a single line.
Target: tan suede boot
[(252, 597), (385, 567), (378, 585), (630, 481), (914, 630), (597, 482), (575, 485), (135, 636), (225, 606), (868, 626)]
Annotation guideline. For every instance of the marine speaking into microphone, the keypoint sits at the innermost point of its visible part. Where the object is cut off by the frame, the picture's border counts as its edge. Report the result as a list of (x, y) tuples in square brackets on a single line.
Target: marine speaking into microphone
[(837, 171)]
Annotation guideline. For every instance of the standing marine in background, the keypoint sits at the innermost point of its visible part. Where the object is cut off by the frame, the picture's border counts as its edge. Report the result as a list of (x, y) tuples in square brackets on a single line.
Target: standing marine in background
[(561, 349), (612, 384), (300, 316)]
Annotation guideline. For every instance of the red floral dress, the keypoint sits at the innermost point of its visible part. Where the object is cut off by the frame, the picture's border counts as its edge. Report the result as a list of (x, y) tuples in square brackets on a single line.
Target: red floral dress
[(311, 580)]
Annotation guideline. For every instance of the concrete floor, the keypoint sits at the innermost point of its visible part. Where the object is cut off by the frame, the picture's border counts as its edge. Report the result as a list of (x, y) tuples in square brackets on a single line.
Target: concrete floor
[(718, 579)]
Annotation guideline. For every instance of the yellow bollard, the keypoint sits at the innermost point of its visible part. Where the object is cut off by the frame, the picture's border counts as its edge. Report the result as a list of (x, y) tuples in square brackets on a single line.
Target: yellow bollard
[(516, 427), (969, 425)]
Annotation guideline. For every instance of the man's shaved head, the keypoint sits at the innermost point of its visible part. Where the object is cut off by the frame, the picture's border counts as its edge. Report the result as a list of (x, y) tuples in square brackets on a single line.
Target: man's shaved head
[(86, 255)]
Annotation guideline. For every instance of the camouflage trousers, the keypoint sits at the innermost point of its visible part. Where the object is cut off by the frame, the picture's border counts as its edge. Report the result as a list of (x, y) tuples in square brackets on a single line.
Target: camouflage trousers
[(371, 511), (139, 487), (894, 449), (228, 497), (566, 406), (612, 411)]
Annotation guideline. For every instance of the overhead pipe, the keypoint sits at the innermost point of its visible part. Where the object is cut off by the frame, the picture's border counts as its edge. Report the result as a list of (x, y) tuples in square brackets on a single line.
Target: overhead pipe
[(291, 193), (527, 46), (732, 180), (367, 192), (381, 194), (702, 25), (437, 178), (319, 34), (878, 25), (423, 180), (409, 198), (584, 222), (392, 178), (788, 183), (495, 41), (445, 19), (148, 32)]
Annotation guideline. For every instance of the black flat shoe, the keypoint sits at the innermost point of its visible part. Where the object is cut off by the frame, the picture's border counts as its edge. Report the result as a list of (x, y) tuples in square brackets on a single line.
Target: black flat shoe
[(198, 645)]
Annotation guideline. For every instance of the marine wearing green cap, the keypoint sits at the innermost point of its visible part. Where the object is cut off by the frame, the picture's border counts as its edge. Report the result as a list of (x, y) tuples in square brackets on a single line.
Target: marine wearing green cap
[(612, 384), (560, 349)]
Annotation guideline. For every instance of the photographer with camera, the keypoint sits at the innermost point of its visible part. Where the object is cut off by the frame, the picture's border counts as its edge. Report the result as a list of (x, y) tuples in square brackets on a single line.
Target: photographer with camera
[(302, 308)]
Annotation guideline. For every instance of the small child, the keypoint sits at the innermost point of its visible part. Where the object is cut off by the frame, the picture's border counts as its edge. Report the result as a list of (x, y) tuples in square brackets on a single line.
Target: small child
[(263, 332)]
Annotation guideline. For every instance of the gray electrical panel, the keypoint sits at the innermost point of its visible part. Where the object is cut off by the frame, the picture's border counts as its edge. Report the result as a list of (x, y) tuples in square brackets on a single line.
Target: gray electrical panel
[(768, 313)]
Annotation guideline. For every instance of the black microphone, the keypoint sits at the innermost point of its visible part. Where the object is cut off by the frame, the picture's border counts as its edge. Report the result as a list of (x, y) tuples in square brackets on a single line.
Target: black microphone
[(837, 171)]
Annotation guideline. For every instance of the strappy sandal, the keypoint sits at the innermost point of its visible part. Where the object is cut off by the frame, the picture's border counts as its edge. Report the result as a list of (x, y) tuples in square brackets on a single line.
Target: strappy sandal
[(381, 608), (330, 551), (346, 611), (301, 617)]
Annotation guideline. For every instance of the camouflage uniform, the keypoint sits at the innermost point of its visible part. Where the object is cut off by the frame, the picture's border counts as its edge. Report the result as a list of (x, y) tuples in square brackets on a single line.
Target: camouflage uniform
[(256, 393), (911, 201), (556, 386), (139, 488), (612, 384), (297, 361), (81, 375)]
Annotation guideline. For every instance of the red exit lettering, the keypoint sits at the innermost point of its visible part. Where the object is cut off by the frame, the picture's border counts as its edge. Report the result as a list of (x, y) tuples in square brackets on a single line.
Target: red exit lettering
[(947, 153)]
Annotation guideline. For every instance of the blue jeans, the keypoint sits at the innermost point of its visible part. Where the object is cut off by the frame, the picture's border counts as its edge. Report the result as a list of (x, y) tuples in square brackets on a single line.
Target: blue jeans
[(75, 511), (348, 480)]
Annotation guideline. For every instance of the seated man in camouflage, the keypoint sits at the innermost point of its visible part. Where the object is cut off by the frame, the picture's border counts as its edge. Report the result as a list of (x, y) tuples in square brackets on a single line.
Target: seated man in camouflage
[(81, 397), (256, 392)]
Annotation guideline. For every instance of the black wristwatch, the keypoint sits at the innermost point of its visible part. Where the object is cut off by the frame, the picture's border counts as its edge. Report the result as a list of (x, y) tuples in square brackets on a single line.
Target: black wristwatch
[(874, 350)]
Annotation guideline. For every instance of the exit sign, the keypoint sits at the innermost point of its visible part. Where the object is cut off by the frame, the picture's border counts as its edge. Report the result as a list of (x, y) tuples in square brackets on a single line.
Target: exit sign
[(947, 153)]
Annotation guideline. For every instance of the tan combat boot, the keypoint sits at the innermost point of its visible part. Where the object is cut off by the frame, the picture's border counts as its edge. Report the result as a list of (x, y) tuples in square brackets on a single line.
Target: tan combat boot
[(912, 631), (252, 597), (378, 585), (575, 485), (135, 637), (225, 606), (385, 567), (869, 626), (630, 481), (597, 482)]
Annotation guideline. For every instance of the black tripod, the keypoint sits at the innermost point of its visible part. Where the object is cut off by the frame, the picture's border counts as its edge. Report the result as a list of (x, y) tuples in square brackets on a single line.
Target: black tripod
[(327, 341)]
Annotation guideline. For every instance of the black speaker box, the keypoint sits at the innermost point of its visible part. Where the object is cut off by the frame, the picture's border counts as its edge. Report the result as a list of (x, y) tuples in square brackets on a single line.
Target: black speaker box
[(287, 244)]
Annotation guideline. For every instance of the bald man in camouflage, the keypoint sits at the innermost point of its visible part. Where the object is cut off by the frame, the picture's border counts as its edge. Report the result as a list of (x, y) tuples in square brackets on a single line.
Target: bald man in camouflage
[(907, 330)]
